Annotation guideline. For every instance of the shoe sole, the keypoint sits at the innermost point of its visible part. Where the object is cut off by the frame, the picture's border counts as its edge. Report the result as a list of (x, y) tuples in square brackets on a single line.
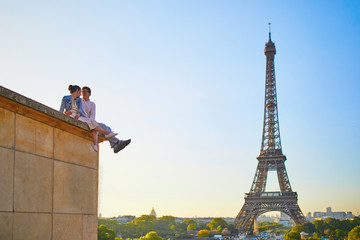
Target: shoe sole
[(124, 144)]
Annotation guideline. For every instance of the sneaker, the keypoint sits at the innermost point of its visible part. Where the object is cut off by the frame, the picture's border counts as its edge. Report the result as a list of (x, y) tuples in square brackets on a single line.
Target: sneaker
[(121, 145), (94, 146), (112, 134)]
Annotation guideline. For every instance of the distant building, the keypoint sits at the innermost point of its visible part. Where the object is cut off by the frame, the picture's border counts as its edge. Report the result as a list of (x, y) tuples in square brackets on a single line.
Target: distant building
[(264, 218), (153, 213), (330, 214), (285, 220), (124, 219)]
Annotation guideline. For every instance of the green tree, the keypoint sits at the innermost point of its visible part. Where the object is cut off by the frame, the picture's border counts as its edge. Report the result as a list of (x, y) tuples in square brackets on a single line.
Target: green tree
[(144, 224), (298, 228), (264, 226), (319, 226), (313, 238), (203, 233), (151, 236), (202, 226), (219, 229), (317, 235), (129, 230), (308, 227), (339, 233), (191, 221), (216, 222), (112, 224), (164, 226), (181, 227), (292, 236), (354, 234), (332, 224), (191, 227), (145, 218), (168, 219), (231, 227), (105, 233)]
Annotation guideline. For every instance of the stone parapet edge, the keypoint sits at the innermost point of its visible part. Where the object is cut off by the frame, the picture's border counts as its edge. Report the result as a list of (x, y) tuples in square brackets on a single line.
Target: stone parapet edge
[(7, 93)]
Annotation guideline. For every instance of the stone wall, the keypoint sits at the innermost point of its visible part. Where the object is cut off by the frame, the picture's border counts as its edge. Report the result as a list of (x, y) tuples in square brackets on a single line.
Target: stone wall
[(48, 173)]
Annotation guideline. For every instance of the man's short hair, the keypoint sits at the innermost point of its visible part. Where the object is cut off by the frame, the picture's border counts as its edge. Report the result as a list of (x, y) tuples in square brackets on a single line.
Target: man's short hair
[(87, 89)]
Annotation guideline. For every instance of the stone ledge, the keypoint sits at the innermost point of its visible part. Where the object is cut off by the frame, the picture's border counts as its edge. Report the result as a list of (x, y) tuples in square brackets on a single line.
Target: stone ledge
[(18, 98)]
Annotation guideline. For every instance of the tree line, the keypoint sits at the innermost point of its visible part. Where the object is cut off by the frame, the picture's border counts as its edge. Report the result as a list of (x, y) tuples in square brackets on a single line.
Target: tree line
[(329, 228), (148, 227), (166, 227)]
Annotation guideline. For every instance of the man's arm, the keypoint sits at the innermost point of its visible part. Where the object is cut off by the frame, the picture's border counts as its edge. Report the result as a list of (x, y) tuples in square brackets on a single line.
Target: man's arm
[(92, 111)]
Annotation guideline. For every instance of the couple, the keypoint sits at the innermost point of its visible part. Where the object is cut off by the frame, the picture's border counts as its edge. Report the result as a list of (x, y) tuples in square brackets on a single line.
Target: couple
[(84, 110)]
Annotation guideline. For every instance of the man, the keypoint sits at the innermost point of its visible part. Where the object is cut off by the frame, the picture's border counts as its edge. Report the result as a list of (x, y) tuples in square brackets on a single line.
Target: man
[(89, 110)]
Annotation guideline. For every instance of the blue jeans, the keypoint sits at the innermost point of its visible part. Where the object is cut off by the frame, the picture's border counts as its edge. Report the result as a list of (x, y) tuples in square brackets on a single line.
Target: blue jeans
[(113, 140)]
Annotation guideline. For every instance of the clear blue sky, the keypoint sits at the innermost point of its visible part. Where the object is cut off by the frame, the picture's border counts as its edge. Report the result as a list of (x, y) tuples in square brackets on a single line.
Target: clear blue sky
[(185, 80)]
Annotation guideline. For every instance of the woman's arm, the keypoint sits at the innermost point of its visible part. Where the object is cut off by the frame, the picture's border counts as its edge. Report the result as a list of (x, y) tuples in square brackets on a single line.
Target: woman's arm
[(62, 106)]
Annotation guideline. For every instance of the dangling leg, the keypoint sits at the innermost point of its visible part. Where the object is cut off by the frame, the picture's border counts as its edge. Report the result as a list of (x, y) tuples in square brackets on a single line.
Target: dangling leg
[(106, 133), (95, 140)]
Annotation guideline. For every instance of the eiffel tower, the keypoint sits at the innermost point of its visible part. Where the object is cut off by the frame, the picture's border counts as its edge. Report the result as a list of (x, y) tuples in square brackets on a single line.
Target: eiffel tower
[(271, 158)]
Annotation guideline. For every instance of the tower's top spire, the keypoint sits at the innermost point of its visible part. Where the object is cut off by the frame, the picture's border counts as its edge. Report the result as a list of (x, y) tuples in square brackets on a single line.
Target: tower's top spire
[(270, 46), (269, 32)]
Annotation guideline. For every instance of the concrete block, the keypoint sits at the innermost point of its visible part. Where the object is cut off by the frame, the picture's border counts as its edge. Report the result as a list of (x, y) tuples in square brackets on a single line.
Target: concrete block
[(75, 189), (67, 226), (44, 140), (74, 149), (6, 179), (32, 226), (90, 227), (7, 133), (6, 220), (33, 183), (25, 134), (33, 136)]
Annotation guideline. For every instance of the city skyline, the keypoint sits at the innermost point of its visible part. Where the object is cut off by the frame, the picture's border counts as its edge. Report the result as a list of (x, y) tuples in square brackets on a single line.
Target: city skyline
[(185, 81), (268, 214)]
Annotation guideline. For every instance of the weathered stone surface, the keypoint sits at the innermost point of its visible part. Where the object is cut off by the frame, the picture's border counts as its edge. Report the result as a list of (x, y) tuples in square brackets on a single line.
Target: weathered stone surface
[(33, 183), (71, 148), (67, 226), (90, 227), (48, 173), (6, 179), (6, 220), (32, 226), (44, 140), (25, 134), (7, 131), (33, 136), (75, 189)]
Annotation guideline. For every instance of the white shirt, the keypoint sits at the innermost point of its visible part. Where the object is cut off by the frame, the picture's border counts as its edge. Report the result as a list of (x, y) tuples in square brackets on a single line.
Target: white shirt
[(89, 109)]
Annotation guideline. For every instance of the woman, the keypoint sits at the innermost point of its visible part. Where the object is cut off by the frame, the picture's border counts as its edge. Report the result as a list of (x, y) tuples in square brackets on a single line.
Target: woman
[(72, 106)]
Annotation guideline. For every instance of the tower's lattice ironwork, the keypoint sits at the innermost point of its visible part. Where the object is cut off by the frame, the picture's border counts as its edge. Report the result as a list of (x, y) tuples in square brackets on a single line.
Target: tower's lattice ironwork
[(271, 158)]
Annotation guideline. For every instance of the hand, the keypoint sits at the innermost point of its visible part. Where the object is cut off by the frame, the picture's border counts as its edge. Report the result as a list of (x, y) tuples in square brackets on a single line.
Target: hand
[(68, 113), (77, 116)]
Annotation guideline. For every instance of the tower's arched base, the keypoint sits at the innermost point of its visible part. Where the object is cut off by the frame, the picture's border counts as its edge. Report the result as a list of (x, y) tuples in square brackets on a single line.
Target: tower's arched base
[(259, 203)]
